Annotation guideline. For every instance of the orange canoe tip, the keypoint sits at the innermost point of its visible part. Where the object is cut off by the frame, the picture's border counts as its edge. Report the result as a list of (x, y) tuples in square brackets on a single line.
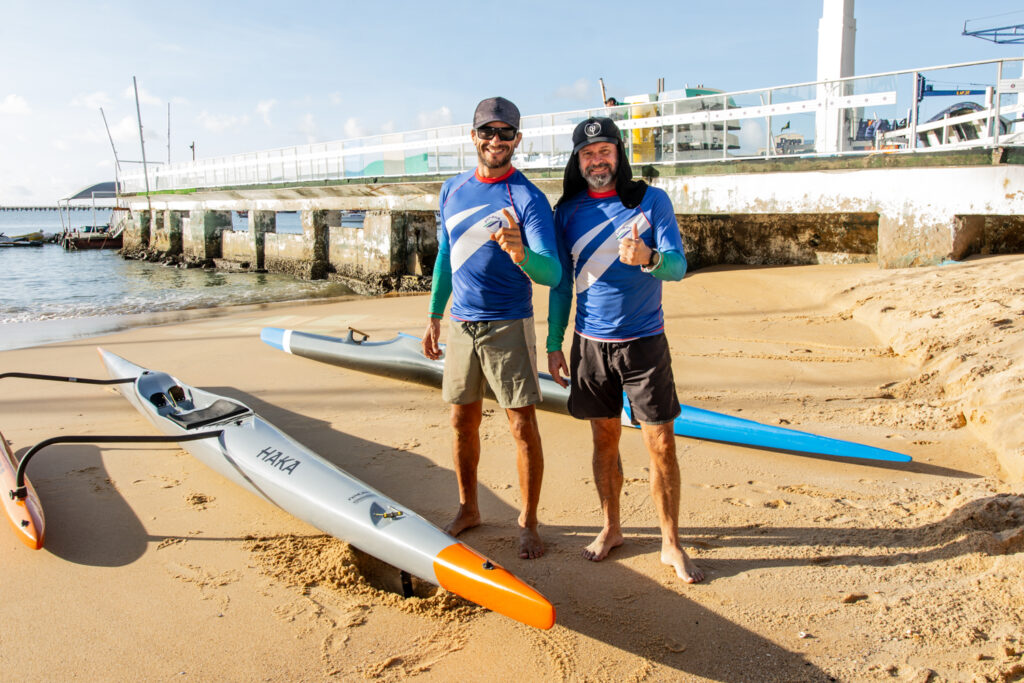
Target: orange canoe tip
[(463, 571)]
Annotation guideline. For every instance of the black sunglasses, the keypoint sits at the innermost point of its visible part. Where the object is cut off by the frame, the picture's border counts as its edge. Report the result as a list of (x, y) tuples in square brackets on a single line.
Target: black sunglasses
[(488, 132)]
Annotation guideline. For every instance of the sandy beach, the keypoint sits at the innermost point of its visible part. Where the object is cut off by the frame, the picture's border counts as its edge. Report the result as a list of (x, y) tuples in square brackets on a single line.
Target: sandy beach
[(818, 568)]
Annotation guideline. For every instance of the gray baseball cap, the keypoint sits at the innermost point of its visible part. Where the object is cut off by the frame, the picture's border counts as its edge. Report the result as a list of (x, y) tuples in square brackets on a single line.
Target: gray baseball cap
[(496, 109)]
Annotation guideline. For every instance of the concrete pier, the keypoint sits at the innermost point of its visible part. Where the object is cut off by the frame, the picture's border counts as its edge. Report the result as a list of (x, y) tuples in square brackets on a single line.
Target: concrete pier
[(924, 203), (896, 210)]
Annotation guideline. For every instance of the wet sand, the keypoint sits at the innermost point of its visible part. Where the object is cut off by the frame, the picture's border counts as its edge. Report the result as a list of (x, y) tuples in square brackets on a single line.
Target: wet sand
[(817, 568)]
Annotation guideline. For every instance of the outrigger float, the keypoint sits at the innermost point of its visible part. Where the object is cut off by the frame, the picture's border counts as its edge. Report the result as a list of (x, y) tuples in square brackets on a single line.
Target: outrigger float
[(232, 439), (402, 358)]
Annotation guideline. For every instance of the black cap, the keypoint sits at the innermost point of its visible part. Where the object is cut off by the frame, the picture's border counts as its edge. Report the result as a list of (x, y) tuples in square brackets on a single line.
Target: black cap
[(496, 109), (594, 130), (631, 192)]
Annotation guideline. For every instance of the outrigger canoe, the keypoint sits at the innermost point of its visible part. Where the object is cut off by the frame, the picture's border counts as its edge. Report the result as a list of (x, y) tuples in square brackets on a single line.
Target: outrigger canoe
[(402, 358), (262, 459)]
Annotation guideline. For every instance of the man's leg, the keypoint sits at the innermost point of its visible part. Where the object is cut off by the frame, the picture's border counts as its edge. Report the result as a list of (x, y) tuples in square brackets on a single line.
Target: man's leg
[(530, 464), (608, 477), (466, 453), (661, 443)]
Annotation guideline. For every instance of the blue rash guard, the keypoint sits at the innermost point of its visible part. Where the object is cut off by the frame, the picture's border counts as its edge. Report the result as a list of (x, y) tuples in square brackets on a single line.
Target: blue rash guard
[(484, 282), (614, 302)]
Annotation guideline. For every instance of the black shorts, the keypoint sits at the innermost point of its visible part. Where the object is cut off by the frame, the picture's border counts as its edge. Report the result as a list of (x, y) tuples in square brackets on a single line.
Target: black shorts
[(602, 371)]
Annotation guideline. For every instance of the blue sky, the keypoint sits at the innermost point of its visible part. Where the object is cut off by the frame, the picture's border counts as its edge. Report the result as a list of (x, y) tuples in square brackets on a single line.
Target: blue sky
[(241, 77)]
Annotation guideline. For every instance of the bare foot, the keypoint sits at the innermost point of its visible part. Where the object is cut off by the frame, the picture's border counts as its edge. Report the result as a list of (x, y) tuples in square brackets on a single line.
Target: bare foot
[(676, 557), (602, 545), (464, 519), (530, 545)]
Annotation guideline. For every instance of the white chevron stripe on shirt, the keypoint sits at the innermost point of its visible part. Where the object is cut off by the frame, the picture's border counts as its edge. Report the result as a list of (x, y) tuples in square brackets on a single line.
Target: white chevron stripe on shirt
[(475, 236), (607, 253)]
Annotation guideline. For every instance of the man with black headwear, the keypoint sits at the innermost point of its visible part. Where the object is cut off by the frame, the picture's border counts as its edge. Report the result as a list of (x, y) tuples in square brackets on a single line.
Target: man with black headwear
[(619, 240)]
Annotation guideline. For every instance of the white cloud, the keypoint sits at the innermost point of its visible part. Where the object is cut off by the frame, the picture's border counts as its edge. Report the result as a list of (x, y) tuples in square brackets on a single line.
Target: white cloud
[(125, 130), (335, 98), (577, 90), (219, 124), (14, 104), (387, 127), (59, 145), (93, 100), (355, 129), (263, 108), (435, 118)]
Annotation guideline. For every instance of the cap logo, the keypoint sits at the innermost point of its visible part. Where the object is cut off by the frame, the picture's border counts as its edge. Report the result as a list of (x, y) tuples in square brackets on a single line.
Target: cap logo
[(592, 129)]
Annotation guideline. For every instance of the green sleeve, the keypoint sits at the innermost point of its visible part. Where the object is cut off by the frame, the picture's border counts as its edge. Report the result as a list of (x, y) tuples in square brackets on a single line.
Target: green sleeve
[(441, 284), (672, 266), (542, 268), (560, 301)]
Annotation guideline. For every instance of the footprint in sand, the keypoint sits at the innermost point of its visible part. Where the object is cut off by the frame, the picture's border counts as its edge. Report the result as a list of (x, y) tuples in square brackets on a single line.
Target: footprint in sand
[(199, 500), (740, 502)]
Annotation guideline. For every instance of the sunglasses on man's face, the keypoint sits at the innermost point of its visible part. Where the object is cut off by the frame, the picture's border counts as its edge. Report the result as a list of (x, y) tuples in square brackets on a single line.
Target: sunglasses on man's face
[(488, 132)]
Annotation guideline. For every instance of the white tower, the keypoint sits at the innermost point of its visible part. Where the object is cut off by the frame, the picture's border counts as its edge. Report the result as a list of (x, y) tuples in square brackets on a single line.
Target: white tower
[(837, 31)]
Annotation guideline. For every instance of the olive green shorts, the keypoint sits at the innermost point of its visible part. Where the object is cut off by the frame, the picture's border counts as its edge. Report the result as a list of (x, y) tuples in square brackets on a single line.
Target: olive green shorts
[(496, 354)]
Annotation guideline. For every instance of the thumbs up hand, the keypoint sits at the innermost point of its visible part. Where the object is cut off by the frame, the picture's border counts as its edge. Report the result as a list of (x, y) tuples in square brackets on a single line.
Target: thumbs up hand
[(633, 251), (510, 239)]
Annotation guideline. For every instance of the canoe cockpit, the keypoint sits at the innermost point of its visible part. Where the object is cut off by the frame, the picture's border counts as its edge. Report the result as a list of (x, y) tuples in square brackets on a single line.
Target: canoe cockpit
[(174, 402)]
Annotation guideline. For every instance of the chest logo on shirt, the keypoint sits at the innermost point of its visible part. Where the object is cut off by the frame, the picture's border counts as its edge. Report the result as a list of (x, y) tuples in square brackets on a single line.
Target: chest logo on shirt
[(493, 224), (626, 229), (598, 248)]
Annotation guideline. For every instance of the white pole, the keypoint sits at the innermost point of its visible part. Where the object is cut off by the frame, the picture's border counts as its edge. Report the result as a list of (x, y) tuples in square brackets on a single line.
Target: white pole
[(142, 143), (837, 31)]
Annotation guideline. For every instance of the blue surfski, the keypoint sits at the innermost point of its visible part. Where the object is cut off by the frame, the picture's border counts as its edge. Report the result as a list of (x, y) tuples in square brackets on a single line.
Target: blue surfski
[(402, 358)]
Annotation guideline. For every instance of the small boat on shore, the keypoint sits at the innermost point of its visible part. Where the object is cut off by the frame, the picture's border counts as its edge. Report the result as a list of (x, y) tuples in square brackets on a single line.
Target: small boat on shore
[(90, 237), (32, 239)]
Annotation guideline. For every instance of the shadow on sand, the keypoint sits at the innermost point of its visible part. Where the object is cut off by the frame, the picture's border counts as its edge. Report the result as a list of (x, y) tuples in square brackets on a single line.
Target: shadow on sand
[(89, 522)]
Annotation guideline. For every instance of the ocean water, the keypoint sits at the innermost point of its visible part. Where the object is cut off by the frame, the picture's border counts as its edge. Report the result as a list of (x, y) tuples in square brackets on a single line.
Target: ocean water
[(97, 290)]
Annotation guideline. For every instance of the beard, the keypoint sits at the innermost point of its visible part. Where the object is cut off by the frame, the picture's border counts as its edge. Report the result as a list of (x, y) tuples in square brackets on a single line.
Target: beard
[(492, 157), (599, 176)]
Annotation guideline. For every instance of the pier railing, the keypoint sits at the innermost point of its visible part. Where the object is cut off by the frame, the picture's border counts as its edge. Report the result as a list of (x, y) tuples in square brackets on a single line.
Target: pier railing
[(971, 104)]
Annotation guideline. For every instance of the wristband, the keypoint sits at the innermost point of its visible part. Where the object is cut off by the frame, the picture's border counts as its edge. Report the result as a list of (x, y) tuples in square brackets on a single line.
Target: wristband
[(653, 264)]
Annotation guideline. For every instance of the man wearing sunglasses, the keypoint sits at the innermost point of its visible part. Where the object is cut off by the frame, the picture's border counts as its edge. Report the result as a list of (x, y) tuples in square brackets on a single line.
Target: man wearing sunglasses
[(496, 236), (619, 241)]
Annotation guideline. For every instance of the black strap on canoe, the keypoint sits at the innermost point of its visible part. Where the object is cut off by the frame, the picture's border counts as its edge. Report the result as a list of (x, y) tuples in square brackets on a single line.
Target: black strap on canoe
[(59, 378), (21, 491)]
